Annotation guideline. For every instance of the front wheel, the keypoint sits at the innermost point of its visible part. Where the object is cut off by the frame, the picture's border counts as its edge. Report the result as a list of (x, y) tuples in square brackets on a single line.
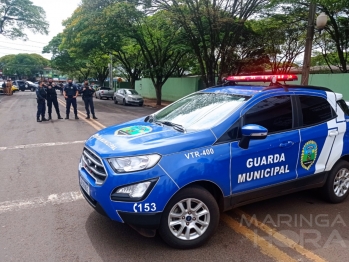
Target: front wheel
[(190, 218), (124, 102), (32, 89), (336, 188)]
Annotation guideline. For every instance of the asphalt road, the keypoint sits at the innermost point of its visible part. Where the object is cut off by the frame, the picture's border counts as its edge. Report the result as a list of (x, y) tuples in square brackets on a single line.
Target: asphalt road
[(43, 217)]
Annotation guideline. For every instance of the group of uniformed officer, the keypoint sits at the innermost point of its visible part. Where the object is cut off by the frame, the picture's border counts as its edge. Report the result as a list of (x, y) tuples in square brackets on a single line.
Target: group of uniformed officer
[(70, 92)]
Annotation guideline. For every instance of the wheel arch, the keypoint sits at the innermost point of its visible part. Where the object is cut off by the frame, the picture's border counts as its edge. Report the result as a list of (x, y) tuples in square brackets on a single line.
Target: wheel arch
[(211, 187)]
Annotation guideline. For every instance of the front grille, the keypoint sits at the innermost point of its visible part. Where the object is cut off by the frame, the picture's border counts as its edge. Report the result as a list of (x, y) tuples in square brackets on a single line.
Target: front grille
[(93, 166)]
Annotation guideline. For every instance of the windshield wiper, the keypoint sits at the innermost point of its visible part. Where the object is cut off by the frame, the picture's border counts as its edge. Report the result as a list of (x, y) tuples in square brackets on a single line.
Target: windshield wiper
[(175, 126)]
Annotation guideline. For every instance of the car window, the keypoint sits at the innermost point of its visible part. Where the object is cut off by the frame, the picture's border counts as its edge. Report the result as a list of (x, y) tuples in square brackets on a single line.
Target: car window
[(274, 113), (315, 110), (201, 110), (131, 92), (343, 106)]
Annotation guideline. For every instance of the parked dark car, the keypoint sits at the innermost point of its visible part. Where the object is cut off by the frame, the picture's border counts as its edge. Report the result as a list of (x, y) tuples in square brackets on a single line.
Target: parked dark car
[(25, 85)]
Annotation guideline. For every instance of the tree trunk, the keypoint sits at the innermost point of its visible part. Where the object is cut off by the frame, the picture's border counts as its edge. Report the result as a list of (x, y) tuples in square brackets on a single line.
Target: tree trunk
[(158, 88)]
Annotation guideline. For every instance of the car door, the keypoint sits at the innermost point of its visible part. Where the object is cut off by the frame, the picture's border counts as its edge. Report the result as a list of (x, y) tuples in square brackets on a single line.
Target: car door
[(321, 133), (272, 160)]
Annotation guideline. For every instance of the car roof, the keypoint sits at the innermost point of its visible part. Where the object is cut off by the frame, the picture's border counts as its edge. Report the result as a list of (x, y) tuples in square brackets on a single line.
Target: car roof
[(251, 90)]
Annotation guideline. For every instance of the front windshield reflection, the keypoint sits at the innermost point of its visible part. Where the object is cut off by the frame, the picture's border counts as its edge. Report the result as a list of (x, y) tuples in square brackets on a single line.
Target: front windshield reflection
[(201, 110)]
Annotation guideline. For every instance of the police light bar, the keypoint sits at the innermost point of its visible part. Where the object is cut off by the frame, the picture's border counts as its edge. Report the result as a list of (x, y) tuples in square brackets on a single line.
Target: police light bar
[(262, 78)]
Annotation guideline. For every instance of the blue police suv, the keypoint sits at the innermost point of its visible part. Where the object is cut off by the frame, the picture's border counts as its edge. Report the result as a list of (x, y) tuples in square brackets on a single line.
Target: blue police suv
[(175, 170)]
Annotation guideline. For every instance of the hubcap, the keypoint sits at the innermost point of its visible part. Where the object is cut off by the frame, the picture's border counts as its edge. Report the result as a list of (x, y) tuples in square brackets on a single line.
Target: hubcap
[(189, 219), (341, 182)]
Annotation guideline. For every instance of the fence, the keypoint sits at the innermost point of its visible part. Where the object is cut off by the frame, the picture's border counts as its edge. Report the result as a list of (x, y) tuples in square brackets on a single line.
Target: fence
[(176, 88)]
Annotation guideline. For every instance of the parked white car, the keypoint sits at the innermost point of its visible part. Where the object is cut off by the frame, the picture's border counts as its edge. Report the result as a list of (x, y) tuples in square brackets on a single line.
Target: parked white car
[(104, 92), (128, 96)]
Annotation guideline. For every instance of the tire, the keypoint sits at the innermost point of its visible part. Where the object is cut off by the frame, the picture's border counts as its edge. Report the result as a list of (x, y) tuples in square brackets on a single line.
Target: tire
[(115, 102), (141, 104), (124, 102), (187, 220), (32, 89), (336, 188), (99, 96)]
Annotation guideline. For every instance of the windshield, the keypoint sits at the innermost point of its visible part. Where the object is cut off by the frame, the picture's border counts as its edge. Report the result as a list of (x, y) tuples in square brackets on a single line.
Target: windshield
[(131, 92), (201, 110)]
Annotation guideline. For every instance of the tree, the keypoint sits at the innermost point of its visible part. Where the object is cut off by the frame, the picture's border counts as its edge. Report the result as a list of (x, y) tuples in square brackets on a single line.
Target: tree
[(18, 15), (23, 65), (212, 28), (338, 31)]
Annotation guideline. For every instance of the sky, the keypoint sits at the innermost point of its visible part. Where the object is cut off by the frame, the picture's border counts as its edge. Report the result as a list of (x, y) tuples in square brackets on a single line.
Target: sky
[(56, 12)]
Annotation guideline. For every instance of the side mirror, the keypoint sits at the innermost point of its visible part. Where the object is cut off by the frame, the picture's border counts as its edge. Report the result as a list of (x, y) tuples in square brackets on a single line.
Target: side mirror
[(252, 132)]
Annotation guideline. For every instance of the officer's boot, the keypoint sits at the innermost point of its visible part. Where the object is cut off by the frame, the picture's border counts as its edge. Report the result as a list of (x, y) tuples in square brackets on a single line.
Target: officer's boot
[(44, 119), (76, 117), (94, 117), (67, 116), (49, 116), (88, 117), (38, 119), (59, 116)]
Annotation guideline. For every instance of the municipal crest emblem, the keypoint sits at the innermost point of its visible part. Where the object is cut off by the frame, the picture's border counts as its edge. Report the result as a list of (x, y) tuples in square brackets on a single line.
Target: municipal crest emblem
[(309, 153)]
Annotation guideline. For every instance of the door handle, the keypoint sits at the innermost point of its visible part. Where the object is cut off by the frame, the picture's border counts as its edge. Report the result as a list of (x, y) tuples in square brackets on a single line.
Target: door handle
[(333, 133), (287, 144)]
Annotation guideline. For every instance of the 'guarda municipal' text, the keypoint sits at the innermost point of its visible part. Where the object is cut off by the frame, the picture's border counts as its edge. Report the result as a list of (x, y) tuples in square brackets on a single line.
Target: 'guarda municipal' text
[(263, 173)]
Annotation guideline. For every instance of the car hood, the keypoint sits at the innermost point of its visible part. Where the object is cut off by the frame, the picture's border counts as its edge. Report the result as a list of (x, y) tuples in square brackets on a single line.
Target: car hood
[(139, 137), (134, 96)]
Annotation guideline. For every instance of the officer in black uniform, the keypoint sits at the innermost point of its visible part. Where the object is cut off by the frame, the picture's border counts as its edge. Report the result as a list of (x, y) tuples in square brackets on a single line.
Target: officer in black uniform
[(70, 93), (41, 97), (52, 99), (87, 96)]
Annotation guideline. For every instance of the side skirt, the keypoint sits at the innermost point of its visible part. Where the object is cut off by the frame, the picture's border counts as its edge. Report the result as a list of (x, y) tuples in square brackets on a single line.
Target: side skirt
[(244, 198)]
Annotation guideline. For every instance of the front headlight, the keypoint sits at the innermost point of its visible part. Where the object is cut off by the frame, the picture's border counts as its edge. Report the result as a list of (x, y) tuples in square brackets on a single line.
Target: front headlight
[(135, 163)]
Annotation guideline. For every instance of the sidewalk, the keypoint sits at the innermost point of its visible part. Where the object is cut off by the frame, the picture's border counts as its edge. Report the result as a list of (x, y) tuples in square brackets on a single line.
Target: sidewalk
[(148, 102)]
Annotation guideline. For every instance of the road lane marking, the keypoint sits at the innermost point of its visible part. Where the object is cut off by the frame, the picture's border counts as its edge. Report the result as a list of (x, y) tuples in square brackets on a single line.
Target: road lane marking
[(54, 199), (266, 247), (41, 145), (97, 125), (280, 237)]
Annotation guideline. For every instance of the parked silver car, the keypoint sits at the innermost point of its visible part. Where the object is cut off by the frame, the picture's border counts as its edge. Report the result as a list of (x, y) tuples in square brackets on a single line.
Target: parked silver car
[(128, 96), (104, 92)]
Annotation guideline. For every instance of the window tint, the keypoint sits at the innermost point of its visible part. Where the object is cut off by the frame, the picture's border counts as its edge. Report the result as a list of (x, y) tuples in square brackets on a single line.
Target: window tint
[(315, 110), (343, 106), (274, 113)]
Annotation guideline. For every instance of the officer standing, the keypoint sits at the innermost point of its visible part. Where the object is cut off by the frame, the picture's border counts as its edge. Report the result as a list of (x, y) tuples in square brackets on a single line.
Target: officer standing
[(70, 93), (41, 97), (87, 96), (52, 99)]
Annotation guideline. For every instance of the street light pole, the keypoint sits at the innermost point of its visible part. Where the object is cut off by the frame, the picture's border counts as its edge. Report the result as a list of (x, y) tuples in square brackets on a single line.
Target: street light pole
[(308, 44), (111, 82)]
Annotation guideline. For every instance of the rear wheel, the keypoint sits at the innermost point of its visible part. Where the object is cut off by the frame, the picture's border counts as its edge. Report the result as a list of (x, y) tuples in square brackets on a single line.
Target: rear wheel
[(32, 89), (190, 218), (336, 188)]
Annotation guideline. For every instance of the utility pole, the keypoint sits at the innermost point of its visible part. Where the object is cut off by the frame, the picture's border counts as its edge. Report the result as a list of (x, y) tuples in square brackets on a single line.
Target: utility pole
[(308, 44), (111, 73)]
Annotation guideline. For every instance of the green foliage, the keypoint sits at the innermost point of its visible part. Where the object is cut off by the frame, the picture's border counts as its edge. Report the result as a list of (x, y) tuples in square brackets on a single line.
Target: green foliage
[(23, 65), (17, 15)]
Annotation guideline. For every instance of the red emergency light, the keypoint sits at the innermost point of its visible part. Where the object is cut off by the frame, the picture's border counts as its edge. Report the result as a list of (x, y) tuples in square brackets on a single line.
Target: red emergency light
[(262, 78)]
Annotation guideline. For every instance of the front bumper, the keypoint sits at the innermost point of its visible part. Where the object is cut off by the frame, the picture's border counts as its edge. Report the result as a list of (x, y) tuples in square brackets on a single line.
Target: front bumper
[(133, 213), (132, 102)]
